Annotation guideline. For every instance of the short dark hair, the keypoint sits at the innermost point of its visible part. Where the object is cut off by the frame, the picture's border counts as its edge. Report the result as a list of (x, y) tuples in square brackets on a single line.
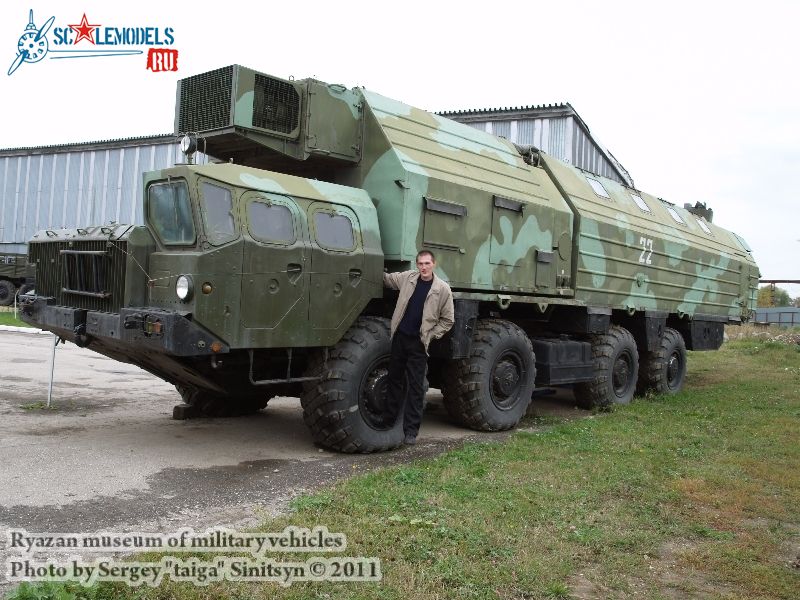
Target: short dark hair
[(424, 252)]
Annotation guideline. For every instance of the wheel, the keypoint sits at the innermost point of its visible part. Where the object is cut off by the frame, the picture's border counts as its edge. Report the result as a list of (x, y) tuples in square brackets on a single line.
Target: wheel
[(345, 408), (491, 390), (205, 404), (664, 370), (25, 288), (7, 292), (616, 364)]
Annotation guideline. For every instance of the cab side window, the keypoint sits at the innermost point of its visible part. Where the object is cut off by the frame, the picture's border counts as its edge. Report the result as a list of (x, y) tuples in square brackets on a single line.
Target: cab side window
[(271, 223), (334, 231), (217, 206)]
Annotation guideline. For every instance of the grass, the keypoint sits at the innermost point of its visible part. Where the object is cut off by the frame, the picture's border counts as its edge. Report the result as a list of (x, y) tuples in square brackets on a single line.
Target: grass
[(36, 406), (7, 318), (695, 495)]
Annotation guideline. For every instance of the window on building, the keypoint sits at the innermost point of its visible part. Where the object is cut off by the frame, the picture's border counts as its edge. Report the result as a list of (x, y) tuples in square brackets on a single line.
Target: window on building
[(334, 231), (218, 213), (598, 188), (271, 223)]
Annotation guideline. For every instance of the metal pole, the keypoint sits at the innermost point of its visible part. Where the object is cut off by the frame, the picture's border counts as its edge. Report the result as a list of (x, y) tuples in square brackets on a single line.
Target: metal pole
[(52, 369)]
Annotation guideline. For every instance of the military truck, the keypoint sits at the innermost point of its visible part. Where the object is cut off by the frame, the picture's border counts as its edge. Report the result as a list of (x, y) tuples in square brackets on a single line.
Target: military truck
[(262, 275), (16, 276)]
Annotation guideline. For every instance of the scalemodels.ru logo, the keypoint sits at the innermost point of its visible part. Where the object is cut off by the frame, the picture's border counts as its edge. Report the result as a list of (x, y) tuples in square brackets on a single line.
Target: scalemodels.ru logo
[(90, 40)]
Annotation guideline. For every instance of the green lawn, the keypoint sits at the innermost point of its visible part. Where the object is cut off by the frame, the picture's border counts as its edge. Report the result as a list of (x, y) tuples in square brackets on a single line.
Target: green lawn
[(7, 318), (696, 495)]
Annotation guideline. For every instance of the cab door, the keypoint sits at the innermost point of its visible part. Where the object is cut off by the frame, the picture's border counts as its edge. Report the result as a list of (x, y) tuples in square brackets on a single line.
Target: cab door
[(337, 264), (274, 307)]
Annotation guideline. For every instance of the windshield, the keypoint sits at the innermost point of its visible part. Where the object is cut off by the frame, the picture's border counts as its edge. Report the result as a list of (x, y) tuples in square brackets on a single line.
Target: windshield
[(170, 212)]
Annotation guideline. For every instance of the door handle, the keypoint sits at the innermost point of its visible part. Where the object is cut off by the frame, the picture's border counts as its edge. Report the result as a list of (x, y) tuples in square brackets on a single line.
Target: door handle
[(355, 277), (293, 272)]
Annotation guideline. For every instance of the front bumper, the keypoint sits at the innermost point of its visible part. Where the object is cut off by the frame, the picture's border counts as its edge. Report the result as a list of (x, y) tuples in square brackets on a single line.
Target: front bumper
[(147, 329)]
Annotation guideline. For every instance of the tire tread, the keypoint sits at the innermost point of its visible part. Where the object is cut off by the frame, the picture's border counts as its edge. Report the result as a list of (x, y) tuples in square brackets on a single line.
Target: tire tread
[(325, 402), (594, 393), (463, 382)]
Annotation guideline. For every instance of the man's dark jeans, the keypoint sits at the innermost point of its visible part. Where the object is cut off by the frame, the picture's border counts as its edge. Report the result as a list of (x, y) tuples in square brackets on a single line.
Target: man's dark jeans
[(409, 363)]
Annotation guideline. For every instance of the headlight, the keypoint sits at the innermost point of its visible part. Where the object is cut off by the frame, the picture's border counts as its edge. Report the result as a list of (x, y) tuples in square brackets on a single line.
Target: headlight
[(183, 287)]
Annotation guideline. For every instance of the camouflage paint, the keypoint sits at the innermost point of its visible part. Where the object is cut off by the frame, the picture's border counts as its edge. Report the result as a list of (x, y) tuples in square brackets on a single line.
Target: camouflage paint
[(531, 233), (464, 169), (434, 184), (689, 271), (249, 287)]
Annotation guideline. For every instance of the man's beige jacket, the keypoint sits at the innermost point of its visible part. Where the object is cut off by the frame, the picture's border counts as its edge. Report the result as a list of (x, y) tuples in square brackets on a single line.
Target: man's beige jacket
[(437, 312)]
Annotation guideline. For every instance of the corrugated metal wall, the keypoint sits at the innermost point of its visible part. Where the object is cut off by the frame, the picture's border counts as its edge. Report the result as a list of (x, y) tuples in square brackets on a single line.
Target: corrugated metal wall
[(78, 188), (586, 155), (784, 316), (560, 137), (549, 135)]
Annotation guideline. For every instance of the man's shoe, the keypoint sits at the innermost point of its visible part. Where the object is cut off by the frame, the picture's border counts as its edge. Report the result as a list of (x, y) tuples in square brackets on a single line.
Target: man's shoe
[(410, 440)]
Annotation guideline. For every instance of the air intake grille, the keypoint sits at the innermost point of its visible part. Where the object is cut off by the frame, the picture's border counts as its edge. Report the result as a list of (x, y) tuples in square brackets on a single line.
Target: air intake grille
[(205, 101), (83, 274), (276, 106)]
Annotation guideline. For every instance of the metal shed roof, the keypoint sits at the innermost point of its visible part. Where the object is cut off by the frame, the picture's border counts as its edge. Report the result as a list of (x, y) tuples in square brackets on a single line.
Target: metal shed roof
[(144, 140)]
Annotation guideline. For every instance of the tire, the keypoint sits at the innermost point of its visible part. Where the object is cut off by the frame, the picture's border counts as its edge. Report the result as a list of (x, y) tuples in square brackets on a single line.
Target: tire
[(7, 292), (344, 409), (664, 371), (209, 405), (616, 365), (491, 390), (25, 288)]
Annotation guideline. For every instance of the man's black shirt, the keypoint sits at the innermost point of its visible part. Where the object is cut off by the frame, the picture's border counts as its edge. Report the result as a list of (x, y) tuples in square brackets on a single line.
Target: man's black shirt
[(412, 318)]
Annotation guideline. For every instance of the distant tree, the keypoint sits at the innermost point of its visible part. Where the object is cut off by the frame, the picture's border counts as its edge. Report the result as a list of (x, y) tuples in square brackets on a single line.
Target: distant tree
[(796, 302), (767, 297)]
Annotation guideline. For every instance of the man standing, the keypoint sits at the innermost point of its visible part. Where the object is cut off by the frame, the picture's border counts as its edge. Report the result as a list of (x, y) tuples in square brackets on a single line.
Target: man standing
[(424, 312)]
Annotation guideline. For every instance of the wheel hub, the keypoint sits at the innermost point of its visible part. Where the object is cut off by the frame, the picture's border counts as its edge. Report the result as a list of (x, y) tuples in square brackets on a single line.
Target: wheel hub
[(507, 376), (373, 397), (622, 374), (673, 370), (375, 390)]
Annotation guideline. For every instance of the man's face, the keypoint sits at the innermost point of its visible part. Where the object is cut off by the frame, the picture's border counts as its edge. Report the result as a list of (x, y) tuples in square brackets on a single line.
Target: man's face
[(426, 265)]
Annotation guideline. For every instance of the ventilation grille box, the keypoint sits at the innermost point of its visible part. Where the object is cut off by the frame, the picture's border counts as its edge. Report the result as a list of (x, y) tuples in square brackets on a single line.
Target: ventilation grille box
[(204, 101), (276, 105), (236, 96)]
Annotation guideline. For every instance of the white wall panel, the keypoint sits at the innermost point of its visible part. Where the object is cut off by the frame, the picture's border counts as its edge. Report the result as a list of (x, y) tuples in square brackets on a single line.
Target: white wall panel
[(74, 188)]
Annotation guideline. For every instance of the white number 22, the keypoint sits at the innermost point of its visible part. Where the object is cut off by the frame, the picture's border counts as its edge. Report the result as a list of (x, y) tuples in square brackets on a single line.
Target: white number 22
[(647, 250)]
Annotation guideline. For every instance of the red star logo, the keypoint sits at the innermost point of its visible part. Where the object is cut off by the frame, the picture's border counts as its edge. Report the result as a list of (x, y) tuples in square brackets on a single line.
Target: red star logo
[(84, 30)]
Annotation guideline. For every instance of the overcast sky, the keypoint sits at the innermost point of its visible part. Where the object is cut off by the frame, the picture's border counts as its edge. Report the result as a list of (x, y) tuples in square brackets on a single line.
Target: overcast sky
[(700, 101)]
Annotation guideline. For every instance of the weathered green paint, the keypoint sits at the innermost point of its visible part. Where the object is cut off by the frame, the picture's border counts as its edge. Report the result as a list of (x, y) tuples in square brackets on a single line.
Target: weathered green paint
[(258, 299)]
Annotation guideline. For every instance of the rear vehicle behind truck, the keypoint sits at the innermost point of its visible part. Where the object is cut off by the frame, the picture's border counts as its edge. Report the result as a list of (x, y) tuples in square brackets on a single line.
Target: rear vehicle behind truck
[(262, 275), (16, 276)]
